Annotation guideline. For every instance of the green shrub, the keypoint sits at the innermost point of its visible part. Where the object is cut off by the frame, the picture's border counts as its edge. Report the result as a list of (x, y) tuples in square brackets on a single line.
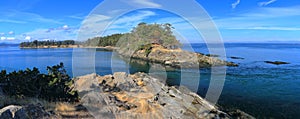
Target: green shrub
[(54, 86)]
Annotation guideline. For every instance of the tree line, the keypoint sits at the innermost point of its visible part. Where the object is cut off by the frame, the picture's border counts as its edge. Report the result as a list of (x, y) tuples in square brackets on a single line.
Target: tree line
[(37, 43), (141, 35), (110, 40), (56, 85)]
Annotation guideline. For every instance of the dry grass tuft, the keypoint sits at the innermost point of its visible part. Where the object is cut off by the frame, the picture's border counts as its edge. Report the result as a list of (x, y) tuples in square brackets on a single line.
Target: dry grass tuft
[(64, 107)]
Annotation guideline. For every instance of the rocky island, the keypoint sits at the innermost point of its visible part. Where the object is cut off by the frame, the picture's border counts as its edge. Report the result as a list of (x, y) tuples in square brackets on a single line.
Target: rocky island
[(156, 43), (276, 62)]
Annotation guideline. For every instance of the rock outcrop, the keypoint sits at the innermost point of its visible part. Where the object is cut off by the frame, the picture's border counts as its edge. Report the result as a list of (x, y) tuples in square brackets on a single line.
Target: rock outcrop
[(177, 58), (232, 57), (126, 96), (23, 112), (276, 62), (140, 96)]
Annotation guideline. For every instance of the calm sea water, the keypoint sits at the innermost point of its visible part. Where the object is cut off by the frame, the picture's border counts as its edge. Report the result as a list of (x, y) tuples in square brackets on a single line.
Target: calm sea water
[(260, 89)]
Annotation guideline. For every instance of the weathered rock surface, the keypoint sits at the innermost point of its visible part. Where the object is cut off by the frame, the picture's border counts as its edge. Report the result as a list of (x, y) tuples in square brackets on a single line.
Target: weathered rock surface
[(177, 58), (140, 96), (23, 112)]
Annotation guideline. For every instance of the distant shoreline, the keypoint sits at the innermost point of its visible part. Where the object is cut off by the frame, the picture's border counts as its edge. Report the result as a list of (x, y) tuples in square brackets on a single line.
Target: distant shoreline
[(55, 46), (70, 46)]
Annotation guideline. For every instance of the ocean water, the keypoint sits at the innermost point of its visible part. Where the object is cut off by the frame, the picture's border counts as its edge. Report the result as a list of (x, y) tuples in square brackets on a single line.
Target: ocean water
[(260, 89)]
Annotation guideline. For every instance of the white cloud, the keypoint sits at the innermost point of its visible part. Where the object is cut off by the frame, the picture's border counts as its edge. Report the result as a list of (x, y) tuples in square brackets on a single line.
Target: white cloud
[(135, 18), (27, 38), (233, 5), (3, 38), (273, 12), (261, 17), (11, 33), (12, 21), (55, 34), (76, 17), (266, 3), (170, 20), (96, 18), (65, 27), (2, 34), (10, 38), (126, 23), (91, 26), (116, 11), (145, 3), (14, 16)]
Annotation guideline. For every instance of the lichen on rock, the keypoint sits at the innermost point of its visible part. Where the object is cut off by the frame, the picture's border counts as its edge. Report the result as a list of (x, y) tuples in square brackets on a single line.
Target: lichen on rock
[(141, 96)]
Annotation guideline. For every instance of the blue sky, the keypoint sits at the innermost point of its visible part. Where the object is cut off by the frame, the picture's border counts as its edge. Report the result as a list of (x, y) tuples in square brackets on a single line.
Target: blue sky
[(236, 20)]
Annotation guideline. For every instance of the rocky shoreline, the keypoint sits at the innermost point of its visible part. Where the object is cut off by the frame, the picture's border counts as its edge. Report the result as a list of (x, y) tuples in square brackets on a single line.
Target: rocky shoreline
[(139, 95), (126, 96)]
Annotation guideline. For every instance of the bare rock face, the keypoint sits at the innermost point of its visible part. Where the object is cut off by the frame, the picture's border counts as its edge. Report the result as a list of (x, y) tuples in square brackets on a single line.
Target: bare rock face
[(140, 96), (179, 58)]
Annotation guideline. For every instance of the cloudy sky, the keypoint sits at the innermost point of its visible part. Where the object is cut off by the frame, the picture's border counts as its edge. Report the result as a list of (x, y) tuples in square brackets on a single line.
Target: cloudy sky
[(236, 20)]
